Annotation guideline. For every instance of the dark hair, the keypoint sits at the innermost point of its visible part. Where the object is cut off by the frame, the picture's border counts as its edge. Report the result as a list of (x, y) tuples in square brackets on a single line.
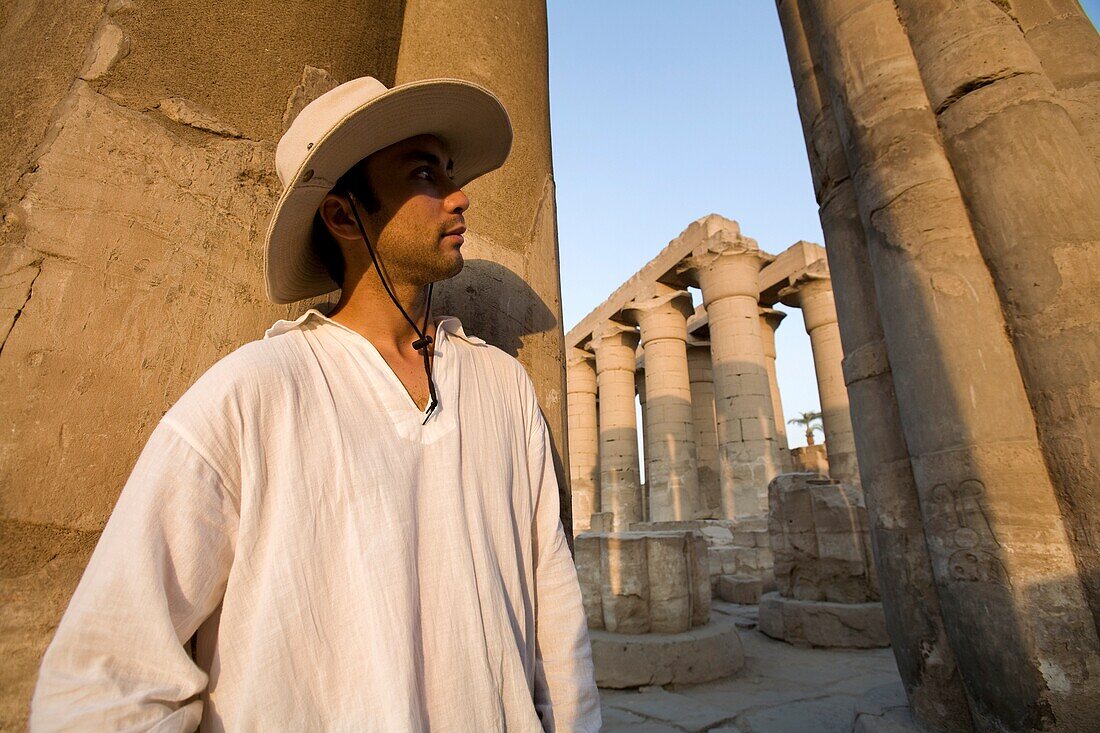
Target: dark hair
[(324, 246)]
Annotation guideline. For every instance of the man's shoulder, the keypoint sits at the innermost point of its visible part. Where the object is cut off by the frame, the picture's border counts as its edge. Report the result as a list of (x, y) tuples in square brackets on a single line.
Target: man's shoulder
[(236, 382), (495, 359)]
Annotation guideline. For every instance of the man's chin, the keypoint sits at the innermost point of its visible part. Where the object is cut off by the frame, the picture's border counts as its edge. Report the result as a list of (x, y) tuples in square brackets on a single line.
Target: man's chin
[(455, 268)]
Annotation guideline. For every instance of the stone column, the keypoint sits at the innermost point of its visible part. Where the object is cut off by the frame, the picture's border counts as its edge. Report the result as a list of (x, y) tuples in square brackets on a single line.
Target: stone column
[(701, 377), (584, 438), (812, 291), (1066, 42), (509, 291), (643, 442), (727, 265), (1037, 221), (671, 472), (910, 599), (1007, 576), (620, 490), (770, 318)]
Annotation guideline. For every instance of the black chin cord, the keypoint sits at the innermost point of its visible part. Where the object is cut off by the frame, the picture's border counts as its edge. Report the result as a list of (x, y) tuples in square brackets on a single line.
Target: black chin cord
[(424, 342)]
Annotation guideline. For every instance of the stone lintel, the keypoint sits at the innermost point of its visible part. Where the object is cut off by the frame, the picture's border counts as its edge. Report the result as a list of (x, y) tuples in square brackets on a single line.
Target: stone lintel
[(815, 272), (667, 270), (661, 269), (797, 258)]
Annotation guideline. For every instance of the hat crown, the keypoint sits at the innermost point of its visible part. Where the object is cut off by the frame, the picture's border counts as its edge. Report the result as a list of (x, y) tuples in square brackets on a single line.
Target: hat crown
[(319, 117)]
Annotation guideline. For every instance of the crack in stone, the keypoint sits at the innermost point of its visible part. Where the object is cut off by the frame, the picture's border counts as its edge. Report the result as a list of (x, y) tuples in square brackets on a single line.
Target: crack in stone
[(30, 292), (878, 209), (974, 85)]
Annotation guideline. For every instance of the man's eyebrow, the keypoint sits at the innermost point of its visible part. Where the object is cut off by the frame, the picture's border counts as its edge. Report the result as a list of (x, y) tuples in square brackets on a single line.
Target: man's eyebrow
[(424, 156)]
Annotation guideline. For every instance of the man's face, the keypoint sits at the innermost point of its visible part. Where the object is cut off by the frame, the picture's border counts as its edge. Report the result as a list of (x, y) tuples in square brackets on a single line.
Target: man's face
[(417, 232)]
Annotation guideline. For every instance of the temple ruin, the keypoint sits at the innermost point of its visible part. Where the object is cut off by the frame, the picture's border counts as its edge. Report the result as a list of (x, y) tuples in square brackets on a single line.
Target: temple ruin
[(953, 314)]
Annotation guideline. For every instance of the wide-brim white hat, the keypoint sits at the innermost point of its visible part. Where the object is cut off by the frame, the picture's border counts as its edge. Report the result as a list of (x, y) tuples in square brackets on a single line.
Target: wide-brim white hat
[(348, 123)]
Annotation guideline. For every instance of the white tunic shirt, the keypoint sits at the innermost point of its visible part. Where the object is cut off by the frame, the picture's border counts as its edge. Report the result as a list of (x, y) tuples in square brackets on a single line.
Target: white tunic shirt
[(345, 566)]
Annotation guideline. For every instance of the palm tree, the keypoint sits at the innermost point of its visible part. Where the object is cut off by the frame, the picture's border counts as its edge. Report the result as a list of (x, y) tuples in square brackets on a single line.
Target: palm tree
[(808, 421)]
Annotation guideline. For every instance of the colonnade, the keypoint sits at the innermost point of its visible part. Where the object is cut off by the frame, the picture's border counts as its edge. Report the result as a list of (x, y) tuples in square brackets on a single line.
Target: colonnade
[(713, 426), (953, 147)]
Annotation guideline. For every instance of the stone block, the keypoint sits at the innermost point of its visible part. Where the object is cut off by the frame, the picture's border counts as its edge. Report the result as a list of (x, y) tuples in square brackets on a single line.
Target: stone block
[(820, 545), (670, 579), (822, 623), (624, 583), (700, 581), (744, 538), (601, 522), (718, 534), (702, 654), (586, 555), (644, 582), (740, 589), (840, 546), (836, 510)]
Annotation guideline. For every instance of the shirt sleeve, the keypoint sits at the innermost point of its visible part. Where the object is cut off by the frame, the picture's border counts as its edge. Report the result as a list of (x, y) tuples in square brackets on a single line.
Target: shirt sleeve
[(117, 660), (566, 697)]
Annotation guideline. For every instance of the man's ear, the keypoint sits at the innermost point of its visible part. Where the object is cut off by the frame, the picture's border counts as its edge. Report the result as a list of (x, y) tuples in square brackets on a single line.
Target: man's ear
[(335, 211)]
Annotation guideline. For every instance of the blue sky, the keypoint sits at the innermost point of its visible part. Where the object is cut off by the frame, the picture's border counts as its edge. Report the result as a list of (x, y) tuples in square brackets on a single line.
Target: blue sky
[(662, 113)]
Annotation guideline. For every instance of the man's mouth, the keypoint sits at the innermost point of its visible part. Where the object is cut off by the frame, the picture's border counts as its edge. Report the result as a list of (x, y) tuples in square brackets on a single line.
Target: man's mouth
[(456, 233)]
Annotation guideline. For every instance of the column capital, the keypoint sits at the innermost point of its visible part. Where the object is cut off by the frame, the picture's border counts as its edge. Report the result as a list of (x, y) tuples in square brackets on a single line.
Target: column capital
[(614, 345), (725, 265), (614, 332), (678, 300), (720, 246), (770, 319), (807, 279), (812, 290), (580, 371), (577, 355), (661, 315)]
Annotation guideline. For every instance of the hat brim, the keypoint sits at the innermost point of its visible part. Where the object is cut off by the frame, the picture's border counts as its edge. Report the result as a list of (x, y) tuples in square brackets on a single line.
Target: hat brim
[(467, 117)]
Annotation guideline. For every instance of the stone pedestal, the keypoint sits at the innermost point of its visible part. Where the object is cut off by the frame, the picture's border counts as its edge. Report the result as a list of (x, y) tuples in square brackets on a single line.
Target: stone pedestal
[(702, 654), (823, 624), (647, 598), (828, 592), (644, 582)]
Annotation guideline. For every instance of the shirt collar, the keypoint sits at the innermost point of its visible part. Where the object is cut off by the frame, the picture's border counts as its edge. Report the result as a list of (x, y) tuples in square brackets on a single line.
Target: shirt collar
[(450, 324)]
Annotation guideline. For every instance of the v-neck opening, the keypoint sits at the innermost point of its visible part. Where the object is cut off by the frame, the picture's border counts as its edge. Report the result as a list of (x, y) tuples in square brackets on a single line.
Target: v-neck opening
[(391, 372)]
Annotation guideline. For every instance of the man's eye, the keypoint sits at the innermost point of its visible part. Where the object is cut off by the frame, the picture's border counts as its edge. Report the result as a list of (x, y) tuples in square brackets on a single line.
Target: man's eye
[(424, 174)]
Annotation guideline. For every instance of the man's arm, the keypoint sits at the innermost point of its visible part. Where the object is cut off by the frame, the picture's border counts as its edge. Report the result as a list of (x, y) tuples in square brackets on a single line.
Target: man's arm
[(565, 685), (117, 661)]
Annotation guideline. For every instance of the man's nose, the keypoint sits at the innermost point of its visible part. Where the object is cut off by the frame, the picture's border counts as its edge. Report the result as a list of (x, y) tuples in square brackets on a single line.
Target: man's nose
[(457, 201)]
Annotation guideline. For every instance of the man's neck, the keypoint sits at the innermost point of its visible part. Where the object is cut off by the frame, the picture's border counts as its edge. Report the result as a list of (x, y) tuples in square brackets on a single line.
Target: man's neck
[(365, 308)]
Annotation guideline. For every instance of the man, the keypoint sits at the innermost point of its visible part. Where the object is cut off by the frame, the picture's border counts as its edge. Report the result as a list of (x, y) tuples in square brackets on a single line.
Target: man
[(356, 516)]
